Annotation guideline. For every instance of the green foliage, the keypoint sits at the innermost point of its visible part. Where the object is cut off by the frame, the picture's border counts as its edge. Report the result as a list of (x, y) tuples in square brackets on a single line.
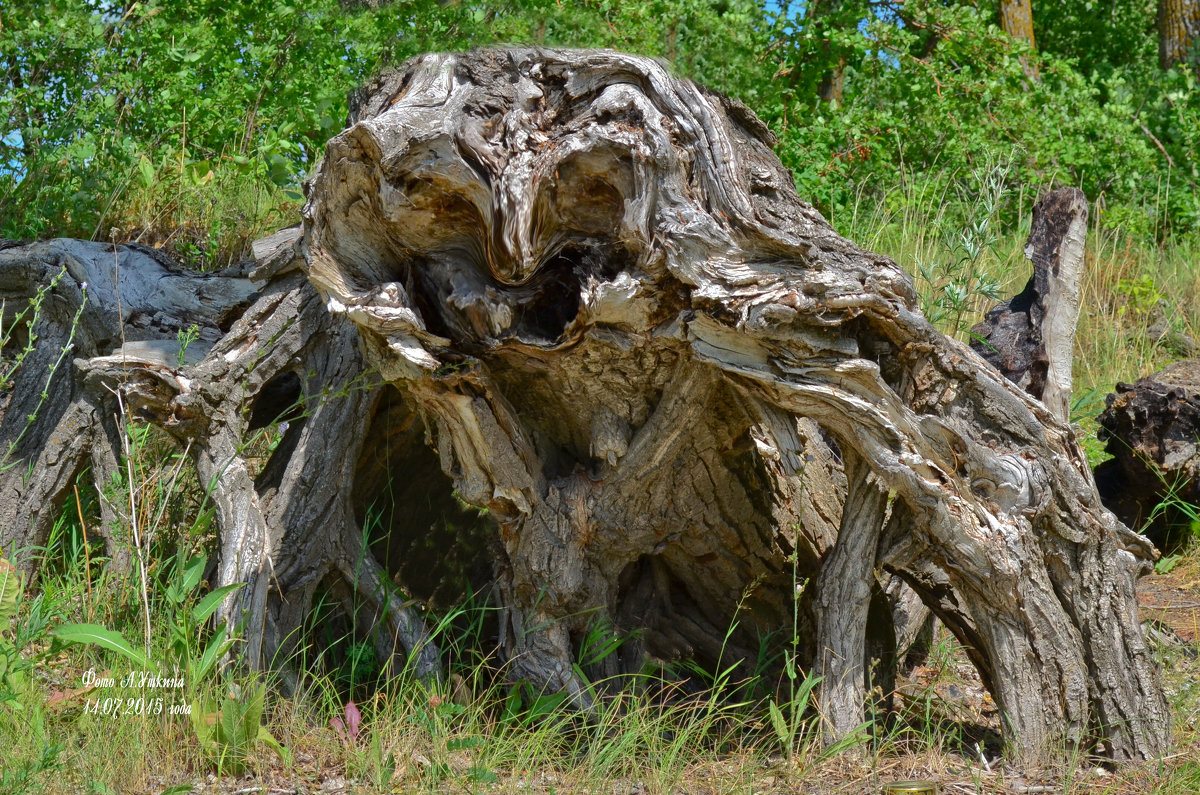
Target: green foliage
[(12, 666), (1098, 36), (10, 592), (791, 728), (187, 652), (953, 285), (103, 638), (186, 337), (229, 728), (17, 683), (192, 124)]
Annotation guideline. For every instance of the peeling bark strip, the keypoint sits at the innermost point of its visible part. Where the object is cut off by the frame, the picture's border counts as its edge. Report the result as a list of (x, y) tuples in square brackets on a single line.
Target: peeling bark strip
[(1030, 338), (601, 291)]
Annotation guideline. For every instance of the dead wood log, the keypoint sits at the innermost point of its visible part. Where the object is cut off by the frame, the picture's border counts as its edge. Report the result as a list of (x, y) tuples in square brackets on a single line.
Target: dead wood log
[(599, 287), (1151, 430), (592, 289)]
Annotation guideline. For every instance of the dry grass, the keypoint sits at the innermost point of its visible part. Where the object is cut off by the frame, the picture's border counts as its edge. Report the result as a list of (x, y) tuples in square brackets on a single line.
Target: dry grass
[(204, 218)]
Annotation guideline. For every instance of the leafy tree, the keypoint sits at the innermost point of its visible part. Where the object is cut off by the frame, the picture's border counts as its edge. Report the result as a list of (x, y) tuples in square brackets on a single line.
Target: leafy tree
[(155, 117)]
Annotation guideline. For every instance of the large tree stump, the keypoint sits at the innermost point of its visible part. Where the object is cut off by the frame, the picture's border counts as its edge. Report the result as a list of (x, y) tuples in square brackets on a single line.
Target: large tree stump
[(671, 388), (599, 286)]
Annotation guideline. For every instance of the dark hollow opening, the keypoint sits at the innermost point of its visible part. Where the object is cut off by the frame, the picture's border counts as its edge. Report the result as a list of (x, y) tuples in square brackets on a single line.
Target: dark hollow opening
[(278, 401), (436, 547), (555, 299)]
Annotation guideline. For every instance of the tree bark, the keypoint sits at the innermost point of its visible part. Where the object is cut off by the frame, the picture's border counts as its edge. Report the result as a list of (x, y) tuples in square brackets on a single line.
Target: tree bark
[(1031, 337), (1152, 429), (1016, 18), (1178, 27), (282, 533), (658, 375), (843, 601)]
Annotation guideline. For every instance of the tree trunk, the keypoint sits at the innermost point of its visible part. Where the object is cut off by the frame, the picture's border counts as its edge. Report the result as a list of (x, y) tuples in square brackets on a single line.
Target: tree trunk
[(674, 390), (1178, 27), (1016, 18), (832, 87)]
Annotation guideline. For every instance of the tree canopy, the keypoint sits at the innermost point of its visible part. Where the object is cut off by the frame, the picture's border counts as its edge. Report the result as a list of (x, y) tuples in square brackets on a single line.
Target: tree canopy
[(198, 121)]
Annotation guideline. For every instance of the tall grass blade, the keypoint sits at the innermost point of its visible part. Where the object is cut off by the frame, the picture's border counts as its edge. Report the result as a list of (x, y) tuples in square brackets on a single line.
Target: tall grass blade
[(96, 635)]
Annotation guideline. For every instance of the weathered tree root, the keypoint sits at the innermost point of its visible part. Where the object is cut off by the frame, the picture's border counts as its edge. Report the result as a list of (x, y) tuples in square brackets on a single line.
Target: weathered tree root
[(282, 532), (597, 283)]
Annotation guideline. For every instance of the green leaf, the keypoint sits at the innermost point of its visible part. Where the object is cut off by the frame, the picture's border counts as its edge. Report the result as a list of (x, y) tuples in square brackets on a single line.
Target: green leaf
[(205, 722), (209, 604), (252, 714), (10, 591), (192, 573), (147, 171), (1166, 564), (481, 775), (463, 743), (96, 635), (216, 648), (804, 693), (266, 737), (859, 736), (780, 725)]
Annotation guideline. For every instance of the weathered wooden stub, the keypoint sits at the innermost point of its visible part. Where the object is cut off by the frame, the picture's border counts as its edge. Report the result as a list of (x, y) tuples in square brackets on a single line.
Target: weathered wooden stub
[(1152, 429), (592, 288), (1030, 338)]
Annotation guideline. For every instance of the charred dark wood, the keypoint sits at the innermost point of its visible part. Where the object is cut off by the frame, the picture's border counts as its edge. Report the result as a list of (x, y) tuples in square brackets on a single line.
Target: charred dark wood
[(1152, 429)]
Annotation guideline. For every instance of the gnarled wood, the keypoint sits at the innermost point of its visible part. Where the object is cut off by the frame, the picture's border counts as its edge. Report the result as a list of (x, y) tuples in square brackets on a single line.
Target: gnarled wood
[(1152, 429), (282, 532), (600, 289), (676, 393)]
